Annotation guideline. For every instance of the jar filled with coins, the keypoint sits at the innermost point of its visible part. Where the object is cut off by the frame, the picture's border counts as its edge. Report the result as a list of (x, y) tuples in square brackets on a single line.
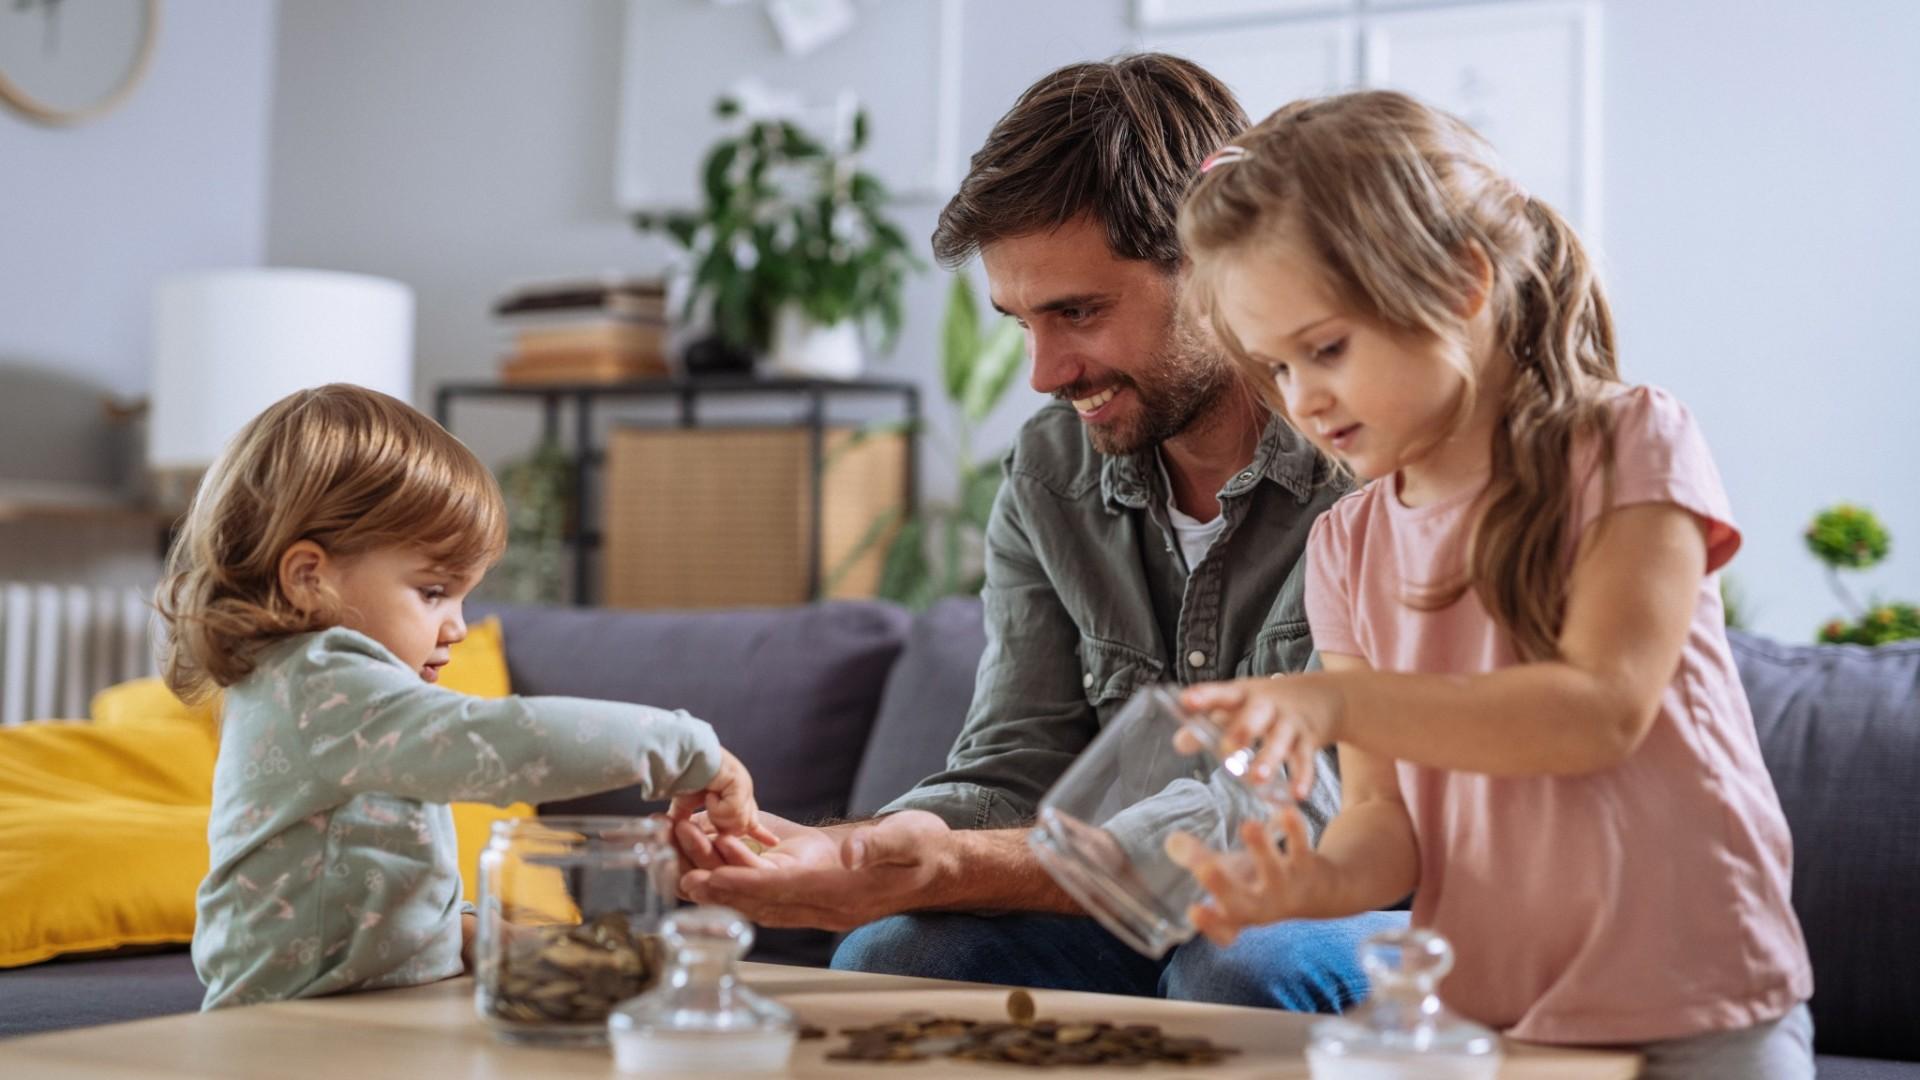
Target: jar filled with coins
[(570, 909)]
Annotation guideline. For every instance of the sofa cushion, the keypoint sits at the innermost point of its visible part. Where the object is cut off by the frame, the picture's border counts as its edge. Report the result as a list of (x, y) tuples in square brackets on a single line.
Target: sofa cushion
[(791, 692), (82, 991), (1839, 726), (925, 703)]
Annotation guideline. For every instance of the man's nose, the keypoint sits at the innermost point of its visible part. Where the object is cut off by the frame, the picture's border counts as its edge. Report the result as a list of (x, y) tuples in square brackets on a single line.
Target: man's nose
[(1054, 366)]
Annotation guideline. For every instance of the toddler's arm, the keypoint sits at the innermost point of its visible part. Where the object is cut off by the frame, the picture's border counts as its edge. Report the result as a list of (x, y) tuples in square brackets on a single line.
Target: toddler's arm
[(367, 724)]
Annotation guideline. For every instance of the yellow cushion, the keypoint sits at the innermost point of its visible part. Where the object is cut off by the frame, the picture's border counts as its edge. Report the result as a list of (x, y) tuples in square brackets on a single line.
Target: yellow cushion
[(103, 826), (103, 835)]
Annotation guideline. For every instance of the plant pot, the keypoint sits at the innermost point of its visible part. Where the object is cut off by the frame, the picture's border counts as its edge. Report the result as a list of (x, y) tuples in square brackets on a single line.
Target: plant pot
[(805, 348)]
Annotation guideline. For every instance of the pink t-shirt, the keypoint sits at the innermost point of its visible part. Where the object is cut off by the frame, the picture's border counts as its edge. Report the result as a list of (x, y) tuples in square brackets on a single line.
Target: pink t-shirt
[(1645, 902)]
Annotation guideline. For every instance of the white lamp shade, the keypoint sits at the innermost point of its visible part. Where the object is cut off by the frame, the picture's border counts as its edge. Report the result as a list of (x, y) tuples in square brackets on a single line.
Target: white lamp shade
[(229, 343)]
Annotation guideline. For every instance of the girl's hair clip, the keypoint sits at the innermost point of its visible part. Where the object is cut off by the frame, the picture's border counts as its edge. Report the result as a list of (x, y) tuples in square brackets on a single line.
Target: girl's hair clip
[(1224, 155)]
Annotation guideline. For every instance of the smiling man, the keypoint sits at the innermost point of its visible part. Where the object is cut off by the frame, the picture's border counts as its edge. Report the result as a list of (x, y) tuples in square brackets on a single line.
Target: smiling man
[(1150, 530)]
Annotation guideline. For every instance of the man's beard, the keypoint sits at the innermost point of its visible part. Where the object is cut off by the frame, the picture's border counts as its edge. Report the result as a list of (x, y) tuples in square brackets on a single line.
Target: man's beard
[(1185, 378)]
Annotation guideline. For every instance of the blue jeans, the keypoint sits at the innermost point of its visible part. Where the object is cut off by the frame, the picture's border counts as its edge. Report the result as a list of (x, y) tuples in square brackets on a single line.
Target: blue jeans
[(1305, 966)]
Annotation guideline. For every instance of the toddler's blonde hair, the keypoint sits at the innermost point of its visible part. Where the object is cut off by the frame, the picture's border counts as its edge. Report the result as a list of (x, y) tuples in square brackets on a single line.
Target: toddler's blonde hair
[(348, 468)]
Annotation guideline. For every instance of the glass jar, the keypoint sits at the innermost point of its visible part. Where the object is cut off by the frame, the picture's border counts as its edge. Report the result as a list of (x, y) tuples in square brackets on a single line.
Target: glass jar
[(700, 1019), (1403, 1032), (1103, 827), (570, 909)]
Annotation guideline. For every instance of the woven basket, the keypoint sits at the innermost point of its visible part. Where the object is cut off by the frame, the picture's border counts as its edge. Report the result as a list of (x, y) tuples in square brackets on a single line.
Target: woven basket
[(721, 517)]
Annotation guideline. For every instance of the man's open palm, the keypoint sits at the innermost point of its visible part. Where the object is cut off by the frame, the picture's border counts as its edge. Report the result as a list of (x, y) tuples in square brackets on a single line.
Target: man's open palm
[(835, 878)]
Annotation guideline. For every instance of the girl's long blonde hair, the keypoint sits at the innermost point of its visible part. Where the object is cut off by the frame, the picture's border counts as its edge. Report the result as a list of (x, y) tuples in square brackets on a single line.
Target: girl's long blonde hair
[(1392, 198), (348, 468)]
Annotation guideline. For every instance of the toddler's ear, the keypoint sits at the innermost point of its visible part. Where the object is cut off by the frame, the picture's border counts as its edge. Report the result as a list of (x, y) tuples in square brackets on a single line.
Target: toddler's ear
[(301, 567)]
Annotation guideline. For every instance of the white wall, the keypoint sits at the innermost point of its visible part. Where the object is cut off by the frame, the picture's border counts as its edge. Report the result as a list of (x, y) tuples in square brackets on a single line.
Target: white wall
[(1761, 240), (463, 147), (1754, 245), (90, 216)]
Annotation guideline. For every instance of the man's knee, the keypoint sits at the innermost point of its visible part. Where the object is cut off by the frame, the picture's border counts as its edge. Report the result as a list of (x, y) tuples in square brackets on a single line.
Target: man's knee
[(1303, 966), (930, 946)]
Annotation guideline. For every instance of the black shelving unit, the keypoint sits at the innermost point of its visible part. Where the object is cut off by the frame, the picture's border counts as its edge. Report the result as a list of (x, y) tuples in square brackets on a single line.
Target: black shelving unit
[(812, 395)]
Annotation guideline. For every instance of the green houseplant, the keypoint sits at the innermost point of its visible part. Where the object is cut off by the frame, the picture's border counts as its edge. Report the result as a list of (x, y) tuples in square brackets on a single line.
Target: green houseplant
[(788, 223), (1847, 537), (936, 552)]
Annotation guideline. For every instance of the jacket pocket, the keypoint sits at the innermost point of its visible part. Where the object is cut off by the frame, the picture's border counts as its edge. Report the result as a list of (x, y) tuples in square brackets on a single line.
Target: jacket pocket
[(1111, 672)]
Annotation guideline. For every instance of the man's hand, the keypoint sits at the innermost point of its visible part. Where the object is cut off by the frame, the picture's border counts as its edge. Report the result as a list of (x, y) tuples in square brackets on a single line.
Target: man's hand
[(834, 878)]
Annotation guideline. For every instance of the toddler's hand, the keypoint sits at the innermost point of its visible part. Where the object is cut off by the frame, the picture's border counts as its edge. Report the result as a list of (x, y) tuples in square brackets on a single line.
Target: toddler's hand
[(1285, 720), (728, 801), (1258, 885)]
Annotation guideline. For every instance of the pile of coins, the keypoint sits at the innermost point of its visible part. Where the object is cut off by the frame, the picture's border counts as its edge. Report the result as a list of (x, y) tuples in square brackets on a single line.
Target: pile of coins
[(1024, 1040), (569, 974)]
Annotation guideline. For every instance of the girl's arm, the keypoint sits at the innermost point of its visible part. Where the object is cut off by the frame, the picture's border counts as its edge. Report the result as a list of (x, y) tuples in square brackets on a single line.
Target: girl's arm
[(1635, 581), (1367, 856)]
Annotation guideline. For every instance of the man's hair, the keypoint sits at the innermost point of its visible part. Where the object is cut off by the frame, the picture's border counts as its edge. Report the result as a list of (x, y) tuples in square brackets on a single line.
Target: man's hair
[(1117, 141)]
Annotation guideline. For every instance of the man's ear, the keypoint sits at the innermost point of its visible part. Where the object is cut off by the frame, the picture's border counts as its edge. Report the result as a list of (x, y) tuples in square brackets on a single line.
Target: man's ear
[(1479, 268), (303, 568)]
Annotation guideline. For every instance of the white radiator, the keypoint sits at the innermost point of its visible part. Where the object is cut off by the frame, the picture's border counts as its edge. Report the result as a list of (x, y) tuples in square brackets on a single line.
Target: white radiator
[(61, 644)]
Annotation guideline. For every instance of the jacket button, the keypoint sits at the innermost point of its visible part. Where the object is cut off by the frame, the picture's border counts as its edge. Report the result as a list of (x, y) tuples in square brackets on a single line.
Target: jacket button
[(1196, 658), (1246, 476), (1087, 680)]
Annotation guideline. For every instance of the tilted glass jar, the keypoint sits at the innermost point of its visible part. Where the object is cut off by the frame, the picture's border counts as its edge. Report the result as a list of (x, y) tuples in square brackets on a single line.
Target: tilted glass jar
[(1104, 825)]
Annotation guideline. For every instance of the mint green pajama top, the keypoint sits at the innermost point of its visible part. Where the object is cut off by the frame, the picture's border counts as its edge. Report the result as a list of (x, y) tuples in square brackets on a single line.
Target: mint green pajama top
[(334, 865)]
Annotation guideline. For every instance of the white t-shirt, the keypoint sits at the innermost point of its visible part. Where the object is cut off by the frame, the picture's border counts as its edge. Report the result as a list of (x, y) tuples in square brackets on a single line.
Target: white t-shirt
[(1195, 536)]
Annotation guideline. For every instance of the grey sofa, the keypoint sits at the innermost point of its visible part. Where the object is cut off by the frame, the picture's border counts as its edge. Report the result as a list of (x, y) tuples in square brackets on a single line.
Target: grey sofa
[(837, 708)]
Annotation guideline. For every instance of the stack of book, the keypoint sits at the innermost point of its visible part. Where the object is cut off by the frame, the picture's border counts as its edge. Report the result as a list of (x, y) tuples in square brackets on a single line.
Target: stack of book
[(585, 332)]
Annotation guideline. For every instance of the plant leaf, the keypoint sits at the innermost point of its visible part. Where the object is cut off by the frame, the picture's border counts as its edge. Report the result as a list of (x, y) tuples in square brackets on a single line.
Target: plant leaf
[(978, 490), (905, 574), (994, 369), (959, 338), (719, 164)]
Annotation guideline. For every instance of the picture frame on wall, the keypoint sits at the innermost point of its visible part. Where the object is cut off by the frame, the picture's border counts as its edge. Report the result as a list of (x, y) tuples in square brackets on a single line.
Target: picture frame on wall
[(1526, 76), (1267, 66), (680, 56)]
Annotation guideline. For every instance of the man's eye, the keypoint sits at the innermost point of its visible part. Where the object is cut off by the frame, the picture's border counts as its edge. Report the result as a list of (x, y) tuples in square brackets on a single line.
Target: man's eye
[(1076, 314)]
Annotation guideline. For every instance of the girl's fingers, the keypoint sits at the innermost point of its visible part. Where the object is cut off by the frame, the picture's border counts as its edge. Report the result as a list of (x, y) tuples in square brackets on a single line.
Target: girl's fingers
[(1274, 751), (1300, 768), (1269, 868), (1294, 825), (1210, 921), (1205, 697)]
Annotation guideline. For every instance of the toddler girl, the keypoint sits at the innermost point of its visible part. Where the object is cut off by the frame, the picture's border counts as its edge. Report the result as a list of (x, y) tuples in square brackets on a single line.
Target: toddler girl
[(1540, 729), (318, 578)]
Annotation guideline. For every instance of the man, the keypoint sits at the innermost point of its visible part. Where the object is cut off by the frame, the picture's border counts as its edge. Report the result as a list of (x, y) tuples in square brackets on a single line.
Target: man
[(1150, 529)]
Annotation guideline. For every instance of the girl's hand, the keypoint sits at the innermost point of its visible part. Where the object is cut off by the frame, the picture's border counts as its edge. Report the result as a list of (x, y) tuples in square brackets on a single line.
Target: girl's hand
[(728, 801), (1258, 885), (1285, 719)]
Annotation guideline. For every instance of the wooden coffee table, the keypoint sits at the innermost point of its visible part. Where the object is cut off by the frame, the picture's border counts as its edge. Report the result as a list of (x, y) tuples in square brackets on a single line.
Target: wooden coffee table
[(431, 1031)]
